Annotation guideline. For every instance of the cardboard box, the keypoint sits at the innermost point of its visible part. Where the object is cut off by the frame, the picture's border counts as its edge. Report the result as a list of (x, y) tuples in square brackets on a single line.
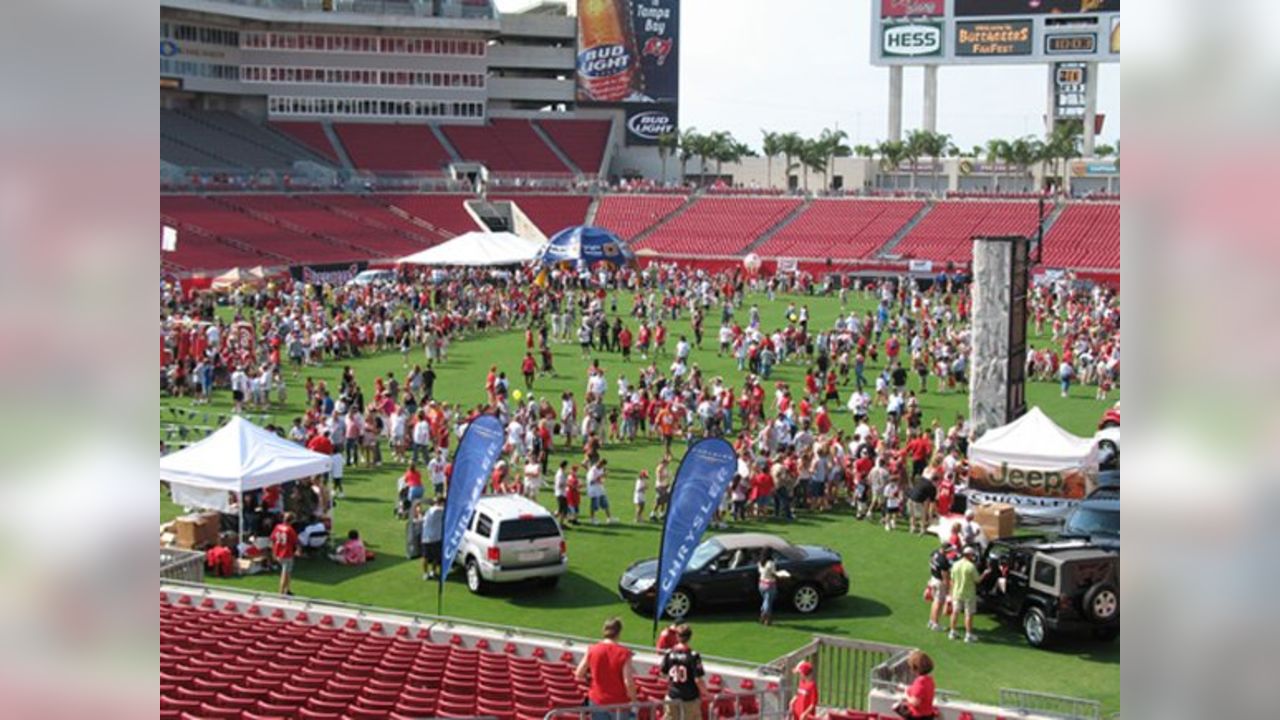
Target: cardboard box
[(251, 566), (196, 530), (997, 520)]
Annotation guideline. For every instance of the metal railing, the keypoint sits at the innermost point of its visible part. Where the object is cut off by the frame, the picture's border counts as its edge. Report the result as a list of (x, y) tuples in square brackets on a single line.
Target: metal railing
[(1058, 706), (845, 669), (181, 565), (759, 704)]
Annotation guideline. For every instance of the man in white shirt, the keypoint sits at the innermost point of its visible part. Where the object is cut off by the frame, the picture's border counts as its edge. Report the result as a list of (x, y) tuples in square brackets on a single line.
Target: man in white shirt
[(595, 491), (421, 439), (435, 469), (726, 337), (682, 349)]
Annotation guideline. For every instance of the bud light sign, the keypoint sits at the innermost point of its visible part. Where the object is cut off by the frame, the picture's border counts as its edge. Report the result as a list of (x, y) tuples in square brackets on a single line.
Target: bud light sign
[(646, 124), (912, 40)]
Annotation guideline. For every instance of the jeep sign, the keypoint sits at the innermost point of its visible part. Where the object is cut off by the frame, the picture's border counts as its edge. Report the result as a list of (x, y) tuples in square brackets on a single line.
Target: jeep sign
[(912, 40)]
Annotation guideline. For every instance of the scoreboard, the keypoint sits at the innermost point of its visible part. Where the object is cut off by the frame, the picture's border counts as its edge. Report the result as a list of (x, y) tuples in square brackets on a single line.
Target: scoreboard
[(977, 32)]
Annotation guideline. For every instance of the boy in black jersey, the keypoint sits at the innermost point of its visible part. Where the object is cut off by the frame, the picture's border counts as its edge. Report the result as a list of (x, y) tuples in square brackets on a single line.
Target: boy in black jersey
[(683, 670)]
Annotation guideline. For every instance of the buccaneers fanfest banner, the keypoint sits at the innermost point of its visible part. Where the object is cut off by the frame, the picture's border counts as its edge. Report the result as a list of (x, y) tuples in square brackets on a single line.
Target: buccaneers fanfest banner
[(628, 55)]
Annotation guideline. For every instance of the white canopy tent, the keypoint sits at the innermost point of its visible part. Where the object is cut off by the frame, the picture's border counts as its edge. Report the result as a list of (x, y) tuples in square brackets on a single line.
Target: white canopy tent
[(1033, 464), (478, 249), (1035, 442), (238, 458)]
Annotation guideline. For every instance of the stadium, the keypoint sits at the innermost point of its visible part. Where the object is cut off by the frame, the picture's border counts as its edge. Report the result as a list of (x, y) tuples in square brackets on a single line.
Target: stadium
[(353, 191)]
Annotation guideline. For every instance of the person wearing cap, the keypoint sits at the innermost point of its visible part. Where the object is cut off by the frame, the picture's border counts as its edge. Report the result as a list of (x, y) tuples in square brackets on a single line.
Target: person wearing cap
[(964, 592), (804, 706), (683, 670)]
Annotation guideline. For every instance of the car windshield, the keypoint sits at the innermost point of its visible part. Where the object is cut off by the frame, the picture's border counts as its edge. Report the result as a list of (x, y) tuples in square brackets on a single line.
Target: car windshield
[(1093, 521), (705, 553)]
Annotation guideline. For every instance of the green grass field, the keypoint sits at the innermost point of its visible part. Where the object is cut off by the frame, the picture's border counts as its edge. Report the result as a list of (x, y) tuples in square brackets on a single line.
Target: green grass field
[(887, 570)]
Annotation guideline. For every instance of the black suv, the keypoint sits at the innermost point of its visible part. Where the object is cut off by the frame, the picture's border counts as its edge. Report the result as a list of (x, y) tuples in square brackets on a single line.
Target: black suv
[(1050, 587)]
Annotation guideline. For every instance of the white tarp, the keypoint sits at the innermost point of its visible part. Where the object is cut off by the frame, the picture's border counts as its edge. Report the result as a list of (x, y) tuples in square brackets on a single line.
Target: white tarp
[(478, 249), (239, 457)]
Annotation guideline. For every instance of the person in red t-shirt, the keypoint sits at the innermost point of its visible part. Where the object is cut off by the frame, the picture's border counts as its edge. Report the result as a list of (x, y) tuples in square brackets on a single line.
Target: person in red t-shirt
[(804, 706), (918, 701), (607, 667), (668, 639), (284, 545)]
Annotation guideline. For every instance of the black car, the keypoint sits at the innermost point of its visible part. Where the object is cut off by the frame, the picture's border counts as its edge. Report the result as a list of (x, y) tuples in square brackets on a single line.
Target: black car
[(1053, 586), (722, 572), (1096, 518)]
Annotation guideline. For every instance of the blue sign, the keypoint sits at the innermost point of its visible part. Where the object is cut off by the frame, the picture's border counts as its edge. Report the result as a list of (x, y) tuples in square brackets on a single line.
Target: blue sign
[(168, 48), (586, 246), (477, 454), (701, 481)]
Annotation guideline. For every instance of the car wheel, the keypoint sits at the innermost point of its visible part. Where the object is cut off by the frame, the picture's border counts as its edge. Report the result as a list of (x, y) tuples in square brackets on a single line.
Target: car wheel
[(806, 599), (1102, 603), (1035, 627), (475, 581), (680, 604)]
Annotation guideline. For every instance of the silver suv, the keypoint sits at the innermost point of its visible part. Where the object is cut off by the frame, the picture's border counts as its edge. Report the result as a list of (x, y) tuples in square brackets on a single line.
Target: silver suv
[(511, 538)]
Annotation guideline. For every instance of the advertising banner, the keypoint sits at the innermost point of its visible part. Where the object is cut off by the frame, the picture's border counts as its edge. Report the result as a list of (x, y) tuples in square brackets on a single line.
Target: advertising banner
[(1026, 506), (977, 8), (629, 54), (1115, 34), (645, 123), (1069, 481), (986, 39), (700, 483), (477, 454), (325, 274), (914, 39), (627, 51), (912, 8)]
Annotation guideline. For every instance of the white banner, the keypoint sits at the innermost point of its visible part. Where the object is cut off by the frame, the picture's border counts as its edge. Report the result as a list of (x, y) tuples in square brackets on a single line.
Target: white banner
[(168, 238), (786, 265), (921, 266), (1028, 506)]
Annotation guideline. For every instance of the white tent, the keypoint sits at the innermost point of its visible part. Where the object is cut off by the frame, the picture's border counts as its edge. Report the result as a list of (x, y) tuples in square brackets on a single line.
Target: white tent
[(1031, 463), (1034, 442), (478, 249), (238, 458)]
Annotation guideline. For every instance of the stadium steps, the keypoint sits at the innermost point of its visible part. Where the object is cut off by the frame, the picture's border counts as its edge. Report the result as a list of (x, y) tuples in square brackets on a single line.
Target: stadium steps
[(592, 209), (367, 221), (688, 203), (444, 142), (338, 147), (1047, 222), (291, 226), (191, 152), (764, 237), (560, 154), (288, 149), (893, 242)]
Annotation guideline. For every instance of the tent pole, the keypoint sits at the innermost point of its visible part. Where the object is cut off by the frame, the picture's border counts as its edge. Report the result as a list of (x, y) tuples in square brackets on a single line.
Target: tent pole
[(240, 507)]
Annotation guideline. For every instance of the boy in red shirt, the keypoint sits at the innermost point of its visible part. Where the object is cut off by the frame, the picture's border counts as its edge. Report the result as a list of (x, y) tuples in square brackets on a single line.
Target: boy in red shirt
[(284, 546), (608, 667)]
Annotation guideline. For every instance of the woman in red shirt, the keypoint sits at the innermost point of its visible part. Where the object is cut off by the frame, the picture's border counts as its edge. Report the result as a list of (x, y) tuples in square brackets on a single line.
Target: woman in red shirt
[(804, 706), (918, 701)]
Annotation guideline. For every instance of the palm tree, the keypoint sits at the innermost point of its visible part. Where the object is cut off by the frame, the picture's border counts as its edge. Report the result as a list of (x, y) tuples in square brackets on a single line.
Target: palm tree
[(813, 156), (914, 148), (892, 153), (930, 144), (1063, 146), (771, 146), (1103, 150), (864, 151), (689, 140), (792, 147), (719, 147), (1024, 152), (832, 146), (997, 152), (668, 144)]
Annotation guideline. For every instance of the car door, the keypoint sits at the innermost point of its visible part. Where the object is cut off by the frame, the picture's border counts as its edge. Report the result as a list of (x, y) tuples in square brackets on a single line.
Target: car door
[(1016, 582), (728, 578)]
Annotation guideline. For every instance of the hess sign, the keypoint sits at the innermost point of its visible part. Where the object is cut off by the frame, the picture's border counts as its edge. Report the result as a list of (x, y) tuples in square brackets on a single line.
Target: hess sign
[(912, 40)]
